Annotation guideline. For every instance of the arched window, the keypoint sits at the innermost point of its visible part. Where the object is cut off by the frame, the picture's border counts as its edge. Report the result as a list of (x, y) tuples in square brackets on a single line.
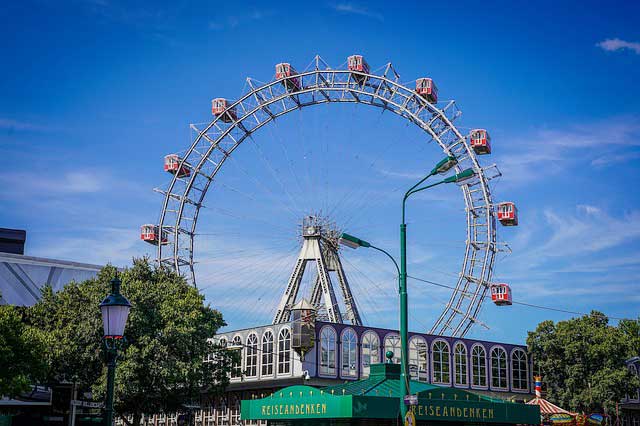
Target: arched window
[(392, 343), (478, 366), (251, 363), (349, 350), (222, 415), (418, 359), (236, 371), (267, 353), (328, 351), (519, 370), (460, 364), (441, 364), (370, 351), (498, 368), (284, 351)]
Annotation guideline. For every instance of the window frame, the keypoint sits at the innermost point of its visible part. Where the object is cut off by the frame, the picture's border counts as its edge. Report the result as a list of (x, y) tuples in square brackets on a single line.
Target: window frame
[(421, 375), (252, 360), (351, 351), (506, 368), (441, 369), (526, 370), (284, 353), (396, 338), (365, 371), (474, 365), (456, 365), (328, 371), (267, 354)]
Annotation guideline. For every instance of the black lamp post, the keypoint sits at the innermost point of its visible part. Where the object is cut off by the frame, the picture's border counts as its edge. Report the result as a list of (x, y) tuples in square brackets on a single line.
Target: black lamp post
[(115, 310)]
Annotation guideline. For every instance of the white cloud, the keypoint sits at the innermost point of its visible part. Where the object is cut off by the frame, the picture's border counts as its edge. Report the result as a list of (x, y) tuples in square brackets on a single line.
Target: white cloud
[(615, 44), (572, 237), (592, 210), (612, 159), (97, 246), (548, 151), (41, 184), (593, 232), (15, 125), (234, 21), (357, 9)]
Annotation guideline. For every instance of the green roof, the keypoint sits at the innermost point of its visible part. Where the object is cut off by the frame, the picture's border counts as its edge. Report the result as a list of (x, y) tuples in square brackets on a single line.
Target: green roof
[(384, 380), (378, 397)]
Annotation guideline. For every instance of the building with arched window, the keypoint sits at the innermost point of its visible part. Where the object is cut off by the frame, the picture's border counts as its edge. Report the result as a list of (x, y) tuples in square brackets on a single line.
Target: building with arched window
[(344, 353)]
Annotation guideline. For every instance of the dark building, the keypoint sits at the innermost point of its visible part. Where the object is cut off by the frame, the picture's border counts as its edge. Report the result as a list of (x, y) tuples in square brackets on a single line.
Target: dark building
[(12, 240), (630, 406)]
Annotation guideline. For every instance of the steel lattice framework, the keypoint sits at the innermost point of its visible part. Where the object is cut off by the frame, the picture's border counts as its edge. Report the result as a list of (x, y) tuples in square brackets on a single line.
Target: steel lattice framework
[(261, 104)]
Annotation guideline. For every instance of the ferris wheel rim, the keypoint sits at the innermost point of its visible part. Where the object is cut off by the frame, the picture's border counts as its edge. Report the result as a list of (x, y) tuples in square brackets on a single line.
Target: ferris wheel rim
[(465, 319)]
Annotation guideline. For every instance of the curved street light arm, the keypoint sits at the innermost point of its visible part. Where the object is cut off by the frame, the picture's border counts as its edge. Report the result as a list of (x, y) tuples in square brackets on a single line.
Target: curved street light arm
[(413, 190), (389, 256)]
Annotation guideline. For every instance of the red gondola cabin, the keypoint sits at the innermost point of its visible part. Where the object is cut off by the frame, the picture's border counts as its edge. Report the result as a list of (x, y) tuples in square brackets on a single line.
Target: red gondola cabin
[(151, 234), (480, 141), (172, 165), (501, 294), (287, 72), (426, 88), (508, 213), (359, 65), (220, 108)]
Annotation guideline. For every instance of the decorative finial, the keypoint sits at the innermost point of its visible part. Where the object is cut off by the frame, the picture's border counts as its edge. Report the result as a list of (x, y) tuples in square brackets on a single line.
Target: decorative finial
[(389, 356)]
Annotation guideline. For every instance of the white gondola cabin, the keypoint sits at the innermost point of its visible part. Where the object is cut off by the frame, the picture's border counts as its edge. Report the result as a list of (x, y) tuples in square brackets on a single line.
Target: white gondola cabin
[(151, 235), (480, 141), (220, 107), (501, 294), (288, 73), (357, 64), (172, 165), (508, 213), (426, 88)]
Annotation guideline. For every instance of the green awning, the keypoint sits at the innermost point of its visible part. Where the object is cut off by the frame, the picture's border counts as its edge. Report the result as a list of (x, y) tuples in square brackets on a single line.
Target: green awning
[(306, 402), (377, 397)]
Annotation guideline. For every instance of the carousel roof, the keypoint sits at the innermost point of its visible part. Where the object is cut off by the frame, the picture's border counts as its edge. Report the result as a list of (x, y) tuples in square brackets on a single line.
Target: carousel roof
[(548, 408)]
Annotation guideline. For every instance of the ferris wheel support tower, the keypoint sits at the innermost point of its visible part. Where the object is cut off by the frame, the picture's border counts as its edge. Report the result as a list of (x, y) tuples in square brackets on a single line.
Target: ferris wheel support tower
[(320, 246)]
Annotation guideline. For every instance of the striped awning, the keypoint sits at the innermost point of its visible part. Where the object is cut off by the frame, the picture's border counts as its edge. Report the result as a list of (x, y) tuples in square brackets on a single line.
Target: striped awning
[(548, 408)]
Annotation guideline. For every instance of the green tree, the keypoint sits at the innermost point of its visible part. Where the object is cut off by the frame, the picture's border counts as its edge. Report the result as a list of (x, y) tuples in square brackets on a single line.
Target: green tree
[(582, 361), (21, 349), (167, 339)]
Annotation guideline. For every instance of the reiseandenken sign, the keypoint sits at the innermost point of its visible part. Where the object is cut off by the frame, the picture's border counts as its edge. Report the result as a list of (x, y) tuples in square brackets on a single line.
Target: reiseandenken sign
[(305, 402)]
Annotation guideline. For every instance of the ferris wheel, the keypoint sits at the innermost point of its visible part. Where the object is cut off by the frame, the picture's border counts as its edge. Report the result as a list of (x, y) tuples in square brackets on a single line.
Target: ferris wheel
[(196, 170)]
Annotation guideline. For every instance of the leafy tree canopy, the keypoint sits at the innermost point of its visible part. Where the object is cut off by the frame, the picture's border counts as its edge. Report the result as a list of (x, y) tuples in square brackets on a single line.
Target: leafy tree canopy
[(21, 350), (167, 339), (582, 361)]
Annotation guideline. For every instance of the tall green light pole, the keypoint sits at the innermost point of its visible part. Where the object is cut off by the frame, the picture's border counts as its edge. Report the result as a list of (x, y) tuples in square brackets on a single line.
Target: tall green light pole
[(354, 242)]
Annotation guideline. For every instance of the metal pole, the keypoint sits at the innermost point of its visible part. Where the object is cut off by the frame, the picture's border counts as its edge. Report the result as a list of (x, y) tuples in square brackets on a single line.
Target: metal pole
[(404, 322), (404, 334), (111, 373)]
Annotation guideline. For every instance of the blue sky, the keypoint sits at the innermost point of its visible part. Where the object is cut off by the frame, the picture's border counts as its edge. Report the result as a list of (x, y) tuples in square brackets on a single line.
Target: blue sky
[(95, 93)]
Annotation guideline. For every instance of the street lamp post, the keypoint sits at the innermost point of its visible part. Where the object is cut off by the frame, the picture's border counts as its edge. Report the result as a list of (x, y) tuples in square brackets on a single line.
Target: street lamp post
[(115, 310), (442, 167)]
